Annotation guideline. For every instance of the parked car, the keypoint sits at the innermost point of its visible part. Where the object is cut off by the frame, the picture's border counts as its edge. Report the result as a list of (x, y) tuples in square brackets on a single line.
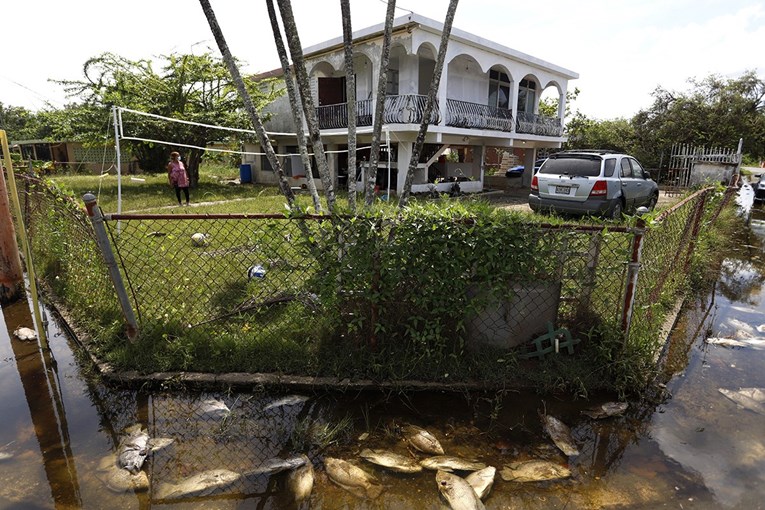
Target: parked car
[(759, 189), (518, 170), (592, 182)]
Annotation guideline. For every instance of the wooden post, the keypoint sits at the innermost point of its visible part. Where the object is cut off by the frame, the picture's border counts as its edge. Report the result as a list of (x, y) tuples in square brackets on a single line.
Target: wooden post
[(11, 274)]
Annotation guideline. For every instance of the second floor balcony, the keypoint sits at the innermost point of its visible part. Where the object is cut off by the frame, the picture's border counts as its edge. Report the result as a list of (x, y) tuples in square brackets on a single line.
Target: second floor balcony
[(410, 108)]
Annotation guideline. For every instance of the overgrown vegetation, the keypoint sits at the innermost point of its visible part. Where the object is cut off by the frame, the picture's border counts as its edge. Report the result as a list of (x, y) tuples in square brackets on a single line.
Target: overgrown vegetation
[(377, 296)]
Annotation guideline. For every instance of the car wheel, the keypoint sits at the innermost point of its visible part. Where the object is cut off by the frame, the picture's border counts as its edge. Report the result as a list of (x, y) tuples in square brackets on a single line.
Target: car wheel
[(616, 210), (651, 205)]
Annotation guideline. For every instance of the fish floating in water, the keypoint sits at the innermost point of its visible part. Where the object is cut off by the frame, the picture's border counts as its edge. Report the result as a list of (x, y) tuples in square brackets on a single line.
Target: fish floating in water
[(748, 398), (300, 481), (606, 410), (119, 480), (133, 449), (560, 434), (482, 480), (755, 343), (201, 484), (277, 465), (352, 478), (458, 492), (25, 334), (214, 408), (450, 463), (534, 471), (422, 440), (289, 400), (391, 460)]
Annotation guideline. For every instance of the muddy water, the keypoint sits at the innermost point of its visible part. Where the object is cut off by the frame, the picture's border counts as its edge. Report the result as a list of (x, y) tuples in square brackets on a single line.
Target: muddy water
[(690, 448)]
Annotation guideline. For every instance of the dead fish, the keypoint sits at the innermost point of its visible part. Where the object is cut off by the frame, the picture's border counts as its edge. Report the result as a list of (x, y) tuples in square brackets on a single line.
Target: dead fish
[(606, 410), (277, 465), (201, 484), (560, 434), (160, 443), (457, 492), (5, 456), (747, 341), (25, 334), (534, 471), (482, 480), (748, 398), (132, 451), (422, 440), (214, 408), (300, 481), (289, 400), (390, 460), (352, 478), (450, 463), (119, 480)]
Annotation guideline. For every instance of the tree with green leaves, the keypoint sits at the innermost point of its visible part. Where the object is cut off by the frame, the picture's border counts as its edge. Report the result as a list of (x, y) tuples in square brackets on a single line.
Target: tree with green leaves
[(196, 88), (715, 112)]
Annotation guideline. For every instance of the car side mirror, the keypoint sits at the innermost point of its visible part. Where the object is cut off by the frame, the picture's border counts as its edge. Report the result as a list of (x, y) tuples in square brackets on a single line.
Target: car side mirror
[(642, 210)]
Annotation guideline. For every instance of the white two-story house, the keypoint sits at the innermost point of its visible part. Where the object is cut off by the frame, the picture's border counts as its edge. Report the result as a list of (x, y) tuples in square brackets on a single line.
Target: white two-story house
[(488, 98)]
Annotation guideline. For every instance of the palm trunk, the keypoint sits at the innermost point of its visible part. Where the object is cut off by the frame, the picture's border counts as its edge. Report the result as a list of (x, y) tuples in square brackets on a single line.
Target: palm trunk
[(248, 104), (296, 50), (297, 118), (429, 104), (380, 103), (350, 93)]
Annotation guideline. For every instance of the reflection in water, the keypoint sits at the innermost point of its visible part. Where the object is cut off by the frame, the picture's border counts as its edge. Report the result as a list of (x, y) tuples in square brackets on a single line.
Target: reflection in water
[(39, 379)]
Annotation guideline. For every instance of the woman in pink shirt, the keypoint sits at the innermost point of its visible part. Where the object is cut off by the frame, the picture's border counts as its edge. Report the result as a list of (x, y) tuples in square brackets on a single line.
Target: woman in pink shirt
[(179, 178)]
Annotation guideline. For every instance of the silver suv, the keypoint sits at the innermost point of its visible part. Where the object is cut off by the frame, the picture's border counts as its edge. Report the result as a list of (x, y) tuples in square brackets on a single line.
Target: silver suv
[(592, 182)]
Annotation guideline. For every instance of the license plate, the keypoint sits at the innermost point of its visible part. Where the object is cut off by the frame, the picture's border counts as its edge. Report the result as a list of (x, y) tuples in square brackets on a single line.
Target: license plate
[(562, 190)]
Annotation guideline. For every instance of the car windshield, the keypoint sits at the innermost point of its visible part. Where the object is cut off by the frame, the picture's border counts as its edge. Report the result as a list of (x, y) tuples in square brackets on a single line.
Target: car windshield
[(582, 165)]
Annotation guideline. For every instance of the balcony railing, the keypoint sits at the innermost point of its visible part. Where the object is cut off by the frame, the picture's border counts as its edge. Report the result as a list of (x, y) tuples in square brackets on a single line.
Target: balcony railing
[(408, 109), (335, 116), (477, 116), (533, 124)]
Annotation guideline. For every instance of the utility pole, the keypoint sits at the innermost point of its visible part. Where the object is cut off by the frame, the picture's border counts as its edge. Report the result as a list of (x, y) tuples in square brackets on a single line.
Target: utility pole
[(11, 274)]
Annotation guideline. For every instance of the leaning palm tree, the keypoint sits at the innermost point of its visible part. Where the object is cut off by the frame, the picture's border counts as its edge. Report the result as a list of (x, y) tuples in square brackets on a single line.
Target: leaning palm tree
[(260, 130), (382, 81), (429, 104), (297, 118), (350, 93), (296, 51)]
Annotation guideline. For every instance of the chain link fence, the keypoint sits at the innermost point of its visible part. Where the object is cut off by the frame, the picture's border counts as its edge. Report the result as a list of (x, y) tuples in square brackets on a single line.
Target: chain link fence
[(268, 292)]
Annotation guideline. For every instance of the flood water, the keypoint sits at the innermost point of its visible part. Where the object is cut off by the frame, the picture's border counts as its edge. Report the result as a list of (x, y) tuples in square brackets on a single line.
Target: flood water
[(691, 447)]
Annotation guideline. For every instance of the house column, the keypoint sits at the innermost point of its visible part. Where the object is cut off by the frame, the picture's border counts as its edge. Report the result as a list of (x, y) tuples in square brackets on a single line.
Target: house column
[(482, 153), (514, 103), (332, 164), (404, 157), (442, 93)]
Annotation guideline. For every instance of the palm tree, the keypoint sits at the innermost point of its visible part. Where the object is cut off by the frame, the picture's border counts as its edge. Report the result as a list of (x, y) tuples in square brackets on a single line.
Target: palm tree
[(248, 104), (382, 82), (296, 50), (297, 118), (429, 104), (350, 93)]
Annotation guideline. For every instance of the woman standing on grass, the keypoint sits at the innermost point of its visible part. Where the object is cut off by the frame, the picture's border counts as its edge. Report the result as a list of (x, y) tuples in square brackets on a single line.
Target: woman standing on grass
[(179, 178)]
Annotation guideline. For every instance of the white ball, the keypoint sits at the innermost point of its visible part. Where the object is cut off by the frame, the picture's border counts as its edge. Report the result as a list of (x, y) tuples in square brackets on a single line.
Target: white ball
[(199, 239), (256, 272)]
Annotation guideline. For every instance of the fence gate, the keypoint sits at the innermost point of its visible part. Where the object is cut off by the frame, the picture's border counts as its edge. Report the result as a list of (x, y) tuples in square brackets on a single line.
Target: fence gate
[(685, 157)]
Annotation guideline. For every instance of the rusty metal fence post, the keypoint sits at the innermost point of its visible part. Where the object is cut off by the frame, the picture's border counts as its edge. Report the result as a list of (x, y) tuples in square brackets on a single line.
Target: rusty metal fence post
[(632, 275), (97, 219)]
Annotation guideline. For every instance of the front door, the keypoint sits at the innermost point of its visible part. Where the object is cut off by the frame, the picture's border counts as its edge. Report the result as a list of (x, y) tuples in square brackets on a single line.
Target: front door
[(331, 91)]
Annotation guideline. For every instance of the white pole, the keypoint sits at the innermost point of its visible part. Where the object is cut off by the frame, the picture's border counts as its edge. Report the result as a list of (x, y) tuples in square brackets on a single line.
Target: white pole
[(119, 165), (387, 143)]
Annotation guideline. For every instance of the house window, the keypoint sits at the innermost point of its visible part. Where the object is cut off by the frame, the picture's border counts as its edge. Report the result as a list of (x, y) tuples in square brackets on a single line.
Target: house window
[(499, 89), (527, 96)]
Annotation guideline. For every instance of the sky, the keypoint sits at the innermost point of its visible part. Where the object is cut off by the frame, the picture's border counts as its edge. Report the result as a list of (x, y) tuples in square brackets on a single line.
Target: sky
[(622, 50)]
